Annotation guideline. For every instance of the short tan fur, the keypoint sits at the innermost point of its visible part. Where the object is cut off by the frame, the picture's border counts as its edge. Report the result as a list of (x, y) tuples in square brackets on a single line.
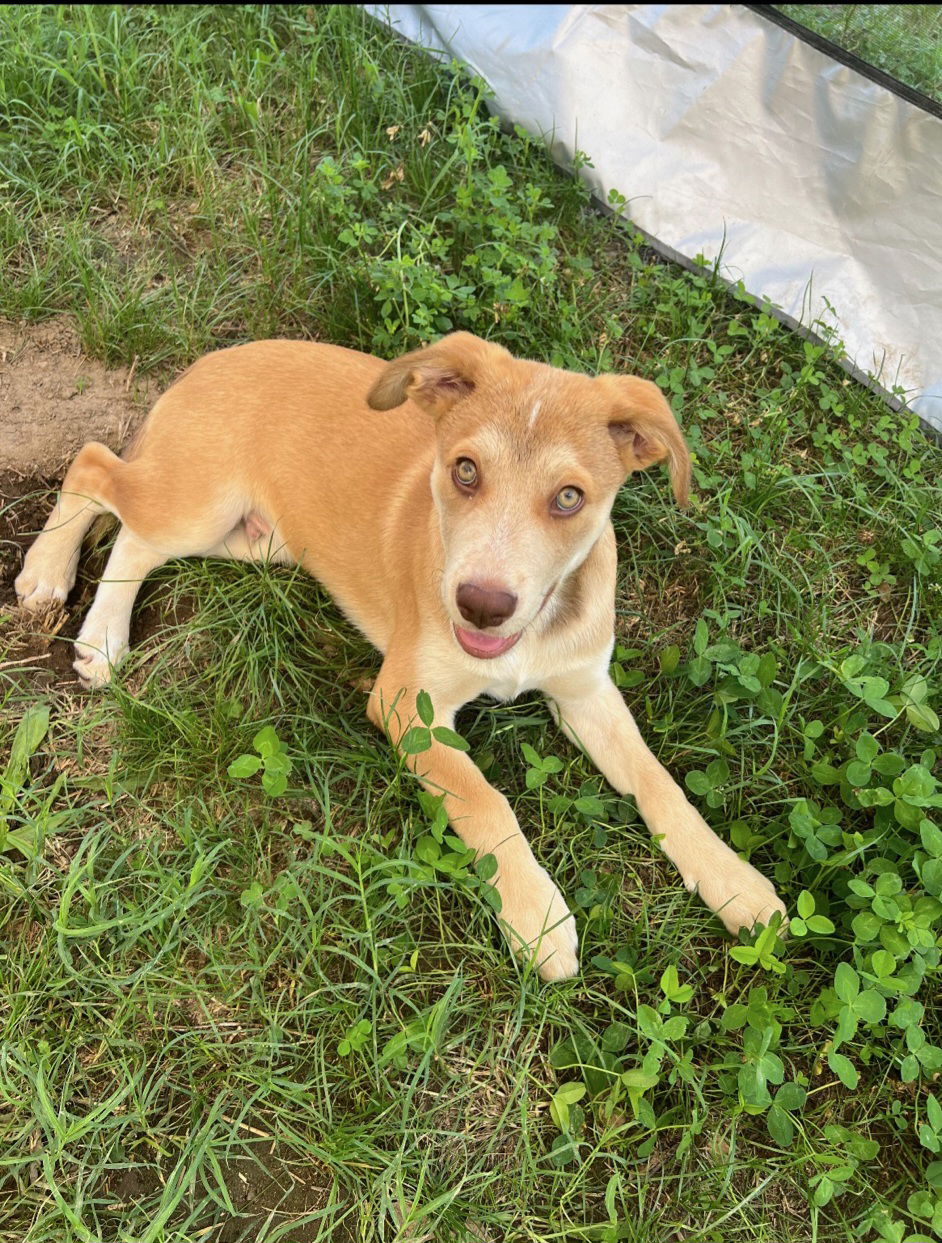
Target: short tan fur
[(455, 502)]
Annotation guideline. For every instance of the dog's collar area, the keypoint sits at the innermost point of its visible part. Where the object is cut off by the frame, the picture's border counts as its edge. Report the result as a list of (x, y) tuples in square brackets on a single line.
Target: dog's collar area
[(485, 646)]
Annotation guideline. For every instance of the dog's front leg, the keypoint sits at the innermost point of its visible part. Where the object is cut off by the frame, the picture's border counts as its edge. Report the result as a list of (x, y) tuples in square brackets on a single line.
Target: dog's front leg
[(592, 712), (533, 912)]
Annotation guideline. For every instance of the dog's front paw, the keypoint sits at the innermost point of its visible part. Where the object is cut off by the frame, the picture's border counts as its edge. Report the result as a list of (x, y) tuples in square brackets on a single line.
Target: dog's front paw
[(537, 922), (740, 895)]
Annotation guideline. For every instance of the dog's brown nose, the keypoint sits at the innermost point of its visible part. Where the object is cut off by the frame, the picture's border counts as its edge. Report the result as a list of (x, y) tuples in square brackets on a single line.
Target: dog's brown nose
[(484, 606)]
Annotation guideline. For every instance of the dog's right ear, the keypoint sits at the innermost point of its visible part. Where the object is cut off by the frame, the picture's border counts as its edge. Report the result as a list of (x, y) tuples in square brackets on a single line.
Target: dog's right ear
[(434, 377)]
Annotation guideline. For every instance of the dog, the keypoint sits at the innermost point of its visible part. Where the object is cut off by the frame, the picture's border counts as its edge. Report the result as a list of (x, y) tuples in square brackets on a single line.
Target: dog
[(467, 535)]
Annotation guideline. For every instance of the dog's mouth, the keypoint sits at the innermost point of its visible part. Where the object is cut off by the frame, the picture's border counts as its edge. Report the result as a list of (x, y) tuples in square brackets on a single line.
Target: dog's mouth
[(485, 646)]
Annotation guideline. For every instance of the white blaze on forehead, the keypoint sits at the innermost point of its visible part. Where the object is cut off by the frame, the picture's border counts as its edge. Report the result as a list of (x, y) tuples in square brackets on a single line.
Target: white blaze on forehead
[(533, 414)]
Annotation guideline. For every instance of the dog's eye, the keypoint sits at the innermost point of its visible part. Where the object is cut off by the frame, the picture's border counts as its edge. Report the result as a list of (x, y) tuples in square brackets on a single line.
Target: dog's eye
[(568, 500), (465, 472)]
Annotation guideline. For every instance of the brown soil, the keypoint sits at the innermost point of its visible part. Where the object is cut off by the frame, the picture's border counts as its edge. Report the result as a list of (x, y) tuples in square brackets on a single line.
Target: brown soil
[(269, 1185), (53, 398)]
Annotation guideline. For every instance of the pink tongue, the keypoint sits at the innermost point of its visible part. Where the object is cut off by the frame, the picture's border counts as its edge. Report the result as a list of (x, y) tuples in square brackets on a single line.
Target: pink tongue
[(478, 644)]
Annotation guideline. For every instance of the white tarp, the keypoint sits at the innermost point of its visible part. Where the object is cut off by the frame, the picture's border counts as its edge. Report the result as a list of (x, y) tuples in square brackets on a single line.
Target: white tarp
[(821, 188)]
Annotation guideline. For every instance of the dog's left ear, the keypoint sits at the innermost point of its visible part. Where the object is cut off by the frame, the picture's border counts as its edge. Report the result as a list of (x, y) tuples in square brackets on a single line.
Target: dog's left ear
[(434, 377), (644, 430)]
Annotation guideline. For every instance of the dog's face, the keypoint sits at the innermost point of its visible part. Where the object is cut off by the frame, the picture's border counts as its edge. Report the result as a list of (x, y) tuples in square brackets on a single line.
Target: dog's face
[(528, 462)]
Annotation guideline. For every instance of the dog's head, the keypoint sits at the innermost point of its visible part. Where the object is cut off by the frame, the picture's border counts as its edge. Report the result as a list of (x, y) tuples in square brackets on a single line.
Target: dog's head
[(528, 462)]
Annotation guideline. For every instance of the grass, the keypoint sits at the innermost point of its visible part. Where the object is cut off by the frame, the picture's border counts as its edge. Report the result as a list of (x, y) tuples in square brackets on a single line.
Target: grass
[(228, 1015), (904, 40)]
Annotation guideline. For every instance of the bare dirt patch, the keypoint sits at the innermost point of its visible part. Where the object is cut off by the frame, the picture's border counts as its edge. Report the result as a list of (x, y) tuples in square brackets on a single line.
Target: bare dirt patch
[(54, 398), (271, 1184)]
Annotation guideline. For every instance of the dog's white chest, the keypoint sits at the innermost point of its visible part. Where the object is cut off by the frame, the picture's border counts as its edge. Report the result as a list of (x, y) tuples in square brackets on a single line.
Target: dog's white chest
[(518, 675), (509, 688)]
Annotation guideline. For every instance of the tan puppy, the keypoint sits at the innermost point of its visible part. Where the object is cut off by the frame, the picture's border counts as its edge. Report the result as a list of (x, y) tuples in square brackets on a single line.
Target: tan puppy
[(467, 535)]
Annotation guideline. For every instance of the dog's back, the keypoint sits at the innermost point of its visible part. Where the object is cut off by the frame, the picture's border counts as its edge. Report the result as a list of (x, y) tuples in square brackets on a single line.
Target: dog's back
[(244, 425)]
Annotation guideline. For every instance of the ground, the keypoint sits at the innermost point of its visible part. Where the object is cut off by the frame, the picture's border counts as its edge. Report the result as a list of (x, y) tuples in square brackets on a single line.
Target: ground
[(54, 398)]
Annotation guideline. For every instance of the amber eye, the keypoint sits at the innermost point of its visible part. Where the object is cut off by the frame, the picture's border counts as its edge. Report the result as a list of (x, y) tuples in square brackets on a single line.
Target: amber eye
[(465, 472), (568, 500)]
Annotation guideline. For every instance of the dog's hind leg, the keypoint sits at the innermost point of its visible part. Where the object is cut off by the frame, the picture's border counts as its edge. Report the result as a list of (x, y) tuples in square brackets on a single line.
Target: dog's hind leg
[(191, 525), (167, 508), (48, 572), (90, 488), (103, 639)]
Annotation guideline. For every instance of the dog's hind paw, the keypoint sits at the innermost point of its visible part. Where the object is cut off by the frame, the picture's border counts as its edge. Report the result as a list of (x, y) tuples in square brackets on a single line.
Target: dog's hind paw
[(93, 669), (40, 593), (96, 658)]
